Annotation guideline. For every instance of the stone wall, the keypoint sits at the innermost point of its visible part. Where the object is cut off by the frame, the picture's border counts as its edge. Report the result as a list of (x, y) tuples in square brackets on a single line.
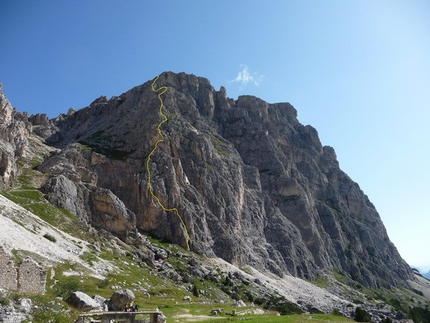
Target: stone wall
[(28, 276), (31, 277), (8, 272)]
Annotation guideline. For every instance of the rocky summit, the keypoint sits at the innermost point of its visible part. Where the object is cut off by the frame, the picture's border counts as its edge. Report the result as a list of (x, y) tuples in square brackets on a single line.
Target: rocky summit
[(250, 184)]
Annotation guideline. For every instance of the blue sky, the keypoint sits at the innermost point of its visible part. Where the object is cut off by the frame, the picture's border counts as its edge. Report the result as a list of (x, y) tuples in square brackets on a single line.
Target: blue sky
[(358, 71)]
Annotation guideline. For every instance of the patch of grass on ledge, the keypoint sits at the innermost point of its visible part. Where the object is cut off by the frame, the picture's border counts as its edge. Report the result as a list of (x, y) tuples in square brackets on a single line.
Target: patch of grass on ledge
[(221, 147), (32, 200), (49, 237)]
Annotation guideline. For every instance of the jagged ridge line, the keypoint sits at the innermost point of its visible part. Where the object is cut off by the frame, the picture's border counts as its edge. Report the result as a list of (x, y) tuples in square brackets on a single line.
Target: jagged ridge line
[(148, 160)]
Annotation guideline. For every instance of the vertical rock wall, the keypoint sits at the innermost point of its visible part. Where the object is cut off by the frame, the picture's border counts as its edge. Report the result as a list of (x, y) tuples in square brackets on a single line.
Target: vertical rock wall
[(31, 277)]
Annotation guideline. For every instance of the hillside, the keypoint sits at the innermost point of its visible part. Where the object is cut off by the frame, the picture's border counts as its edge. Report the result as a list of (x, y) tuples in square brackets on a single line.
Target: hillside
[(201, 195)]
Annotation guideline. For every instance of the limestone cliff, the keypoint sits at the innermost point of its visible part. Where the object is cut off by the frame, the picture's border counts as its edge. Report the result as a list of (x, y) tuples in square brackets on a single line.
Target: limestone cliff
[(252, 184), (15, 129)]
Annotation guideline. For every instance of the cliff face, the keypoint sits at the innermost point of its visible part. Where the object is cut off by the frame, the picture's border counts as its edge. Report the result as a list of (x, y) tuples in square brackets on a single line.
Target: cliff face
[(15, 129), (251, 184)]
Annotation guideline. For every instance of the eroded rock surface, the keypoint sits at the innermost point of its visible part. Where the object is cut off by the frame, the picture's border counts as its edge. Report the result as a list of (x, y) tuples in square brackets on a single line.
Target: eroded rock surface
[(15, 130), (252, 184)]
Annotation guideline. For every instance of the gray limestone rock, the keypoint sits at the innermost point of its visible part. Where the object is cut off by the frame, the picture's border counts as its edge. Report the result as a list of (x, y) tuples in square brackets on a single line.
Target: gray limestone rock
[(83, 302), (120, 299), (250, 183), (14, 134)]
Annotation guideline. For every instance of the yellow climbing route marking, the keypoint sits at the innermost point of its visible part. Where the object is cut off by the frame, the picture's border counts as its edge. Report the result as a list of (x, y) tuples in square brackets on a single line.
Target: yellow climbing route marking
[(161, 90)]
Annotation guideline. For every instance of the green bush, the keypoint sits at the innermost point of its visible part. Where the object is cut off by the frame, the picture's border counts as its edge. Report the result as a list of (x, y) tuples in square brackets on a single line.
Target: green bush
[(336, 312), (196, 291), (49, 237), (361, 315), (419, 314), (282, 305), (103, 283), (66, 287), (4, 301)]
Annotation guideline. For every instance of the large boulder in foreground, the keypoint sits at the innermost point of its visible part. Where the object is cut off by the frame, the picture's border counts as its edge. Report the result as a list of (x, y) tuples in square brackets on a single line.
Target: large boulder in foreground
[(120, 300), (83, 302)]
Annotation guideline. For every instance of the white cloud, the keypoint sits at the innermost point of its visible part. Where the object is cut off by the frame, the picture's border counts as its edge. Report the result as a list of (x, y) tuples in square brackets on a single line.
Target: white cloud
[(245, 76)]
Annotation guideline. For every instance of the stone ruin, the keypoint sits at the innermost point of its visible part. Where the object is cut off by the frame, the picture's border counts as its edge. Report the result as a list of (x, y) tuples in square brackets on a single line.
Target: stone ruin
[(26, 277)]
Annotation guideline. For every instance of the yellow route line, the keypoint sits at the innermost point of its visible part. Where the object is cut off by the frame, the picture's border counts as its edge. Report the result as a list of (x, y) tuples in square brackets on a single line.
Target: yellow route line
[(161, 90)]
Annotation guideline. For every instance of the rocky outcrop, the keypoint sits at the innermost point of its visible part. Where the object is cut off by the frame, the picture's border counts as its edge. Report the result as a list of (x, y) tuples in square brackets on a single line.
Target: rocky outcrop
[(19, 138), (14, 132), (75, 189), (251, 184)]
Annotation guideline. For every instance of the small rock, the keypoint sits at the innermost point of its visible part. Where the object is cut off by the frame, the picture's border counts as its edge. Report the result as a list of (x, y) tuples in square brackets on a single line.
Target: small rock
[(101, 301), (25, 305), (239, 303), (161, 318)]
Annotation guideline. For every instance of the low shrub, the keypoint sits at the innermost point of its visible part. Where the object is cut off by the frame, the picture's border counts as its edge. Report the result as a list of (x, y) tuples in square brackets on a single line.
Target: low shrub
[(66, 287), (49, 237), (362, 315), (4, 301)]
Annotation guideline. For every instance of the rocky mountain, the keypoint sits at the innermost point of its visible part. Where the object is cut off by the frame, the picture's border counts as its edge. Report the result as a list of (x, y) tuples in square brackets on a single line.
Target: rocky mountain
[(241, 179)]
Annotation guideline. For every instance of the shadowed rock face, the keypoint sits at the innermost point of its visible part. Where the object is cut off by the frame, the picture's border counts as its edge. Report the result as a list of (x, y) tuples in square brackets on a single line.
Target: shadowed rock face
[(251, 183)]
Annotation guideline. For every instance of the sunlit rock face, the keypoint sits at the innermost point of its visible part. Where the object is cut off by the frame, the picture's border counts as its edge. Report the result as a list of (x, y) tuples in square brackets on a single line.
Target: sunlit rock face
[(15, 129), (252, 185)]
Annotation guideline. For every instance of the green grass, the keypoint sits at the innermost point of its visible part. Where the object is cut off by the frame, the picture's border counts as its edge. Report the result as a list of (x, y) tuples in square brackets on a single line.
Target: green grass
[(321, 281), (29, 177), (83, 146), (211, 167), (272, 318), (221, 147), (400, 298), (4, 301), (95, 143), (48, 309), (33, 200), (89, 258)]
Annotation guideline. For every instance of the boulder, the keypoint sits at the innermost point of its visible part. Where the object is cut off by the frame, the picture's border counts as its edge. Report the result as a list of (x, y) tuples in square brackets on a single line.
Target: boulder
[(120, 300), (83, 302), (239, 303), (161, 318), (101, 301), (26, 305)]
